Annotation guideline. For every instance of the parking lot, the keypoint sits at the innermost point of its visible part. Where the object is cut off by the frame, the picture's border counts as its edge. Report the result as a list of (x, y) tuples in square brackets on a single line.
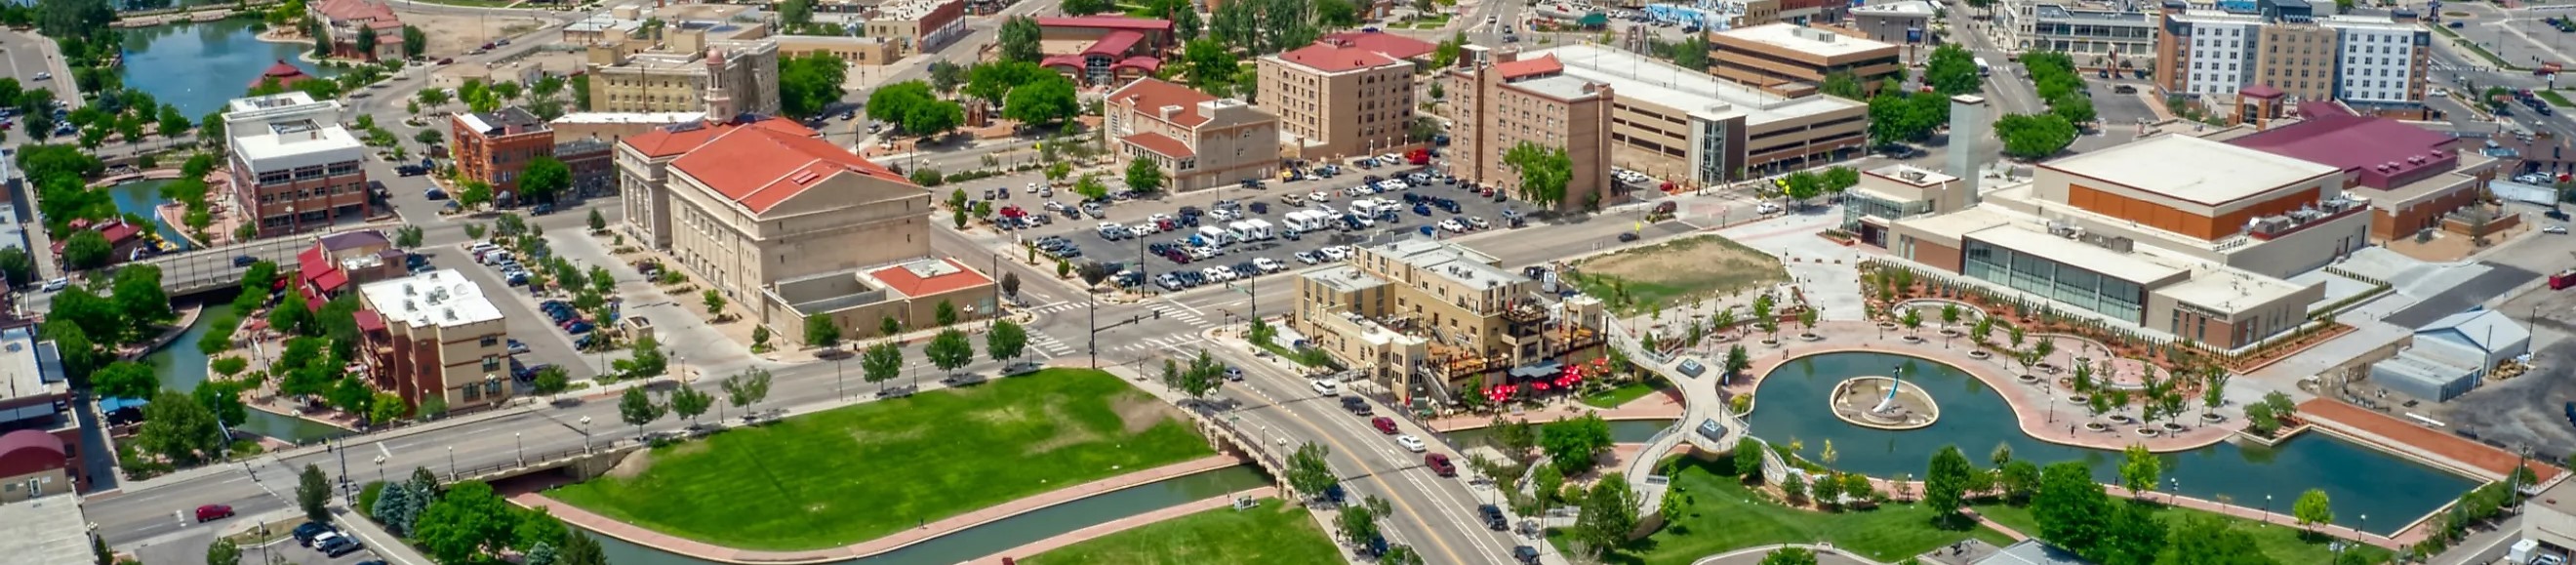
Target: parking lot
[(1149, 235)]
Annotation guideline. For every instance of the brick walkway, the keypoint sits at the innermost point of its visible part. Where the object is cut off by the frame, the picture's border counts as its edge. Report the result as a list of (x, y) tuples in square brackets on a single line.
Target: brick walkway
[(640, 535), (2407, 438), (1123, 524)]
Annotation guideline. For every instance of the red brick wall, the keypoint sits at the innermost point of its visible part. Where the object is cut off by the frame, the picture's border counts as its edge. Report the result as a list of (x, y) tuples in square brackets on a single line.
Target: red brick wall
[(1938, 256)]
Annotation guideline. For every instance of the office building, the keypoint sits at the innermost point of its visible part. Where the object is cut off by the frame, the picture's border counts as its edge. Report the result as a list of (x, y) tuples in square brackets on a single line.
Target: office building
[(1338, 98), (435, 335), (293, 166), (1903, 22), (1423, 316), (496, 147), (1200, 141), (2372, 64), (1791, 60), (1505, 100), (918, 25), (691, 74), (2096, 36), (1694, 129)]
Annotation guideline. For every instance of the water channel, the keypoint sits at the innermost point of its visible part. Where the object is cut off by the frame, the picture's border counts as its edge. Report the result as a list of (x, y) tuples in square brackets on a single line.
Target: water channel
[(199, 66), (182, 367), (142, 198), (1010, 532), (2361, 481)]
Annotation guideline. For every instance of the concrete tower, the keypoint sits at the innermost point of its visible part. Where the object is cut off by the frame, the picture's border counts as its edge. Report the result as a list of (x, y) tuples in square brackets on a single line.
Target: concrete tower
[(1968, 129)]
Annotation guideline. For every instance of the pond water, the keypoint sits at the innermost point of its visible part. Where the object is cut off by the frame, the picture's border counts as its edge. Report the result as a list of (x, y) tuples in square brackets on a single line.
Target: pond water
[(2360, 481), (1010, 532), (141, 198), (183, 367), (199, 66)]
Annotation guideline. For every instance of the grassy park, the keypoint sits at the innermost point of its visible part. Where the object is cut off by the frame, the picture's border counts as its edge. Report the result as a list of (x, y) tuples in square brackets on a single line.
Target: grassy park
[(1676, 272), (1270, 534), (2284, 543), (1722, 514), (857, 473), (1622, 394)]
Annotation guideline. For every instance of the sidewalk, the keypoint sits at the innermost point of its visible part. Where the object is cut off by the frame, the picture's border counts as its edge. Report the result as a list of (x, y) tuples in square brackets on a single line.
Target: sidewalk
[(1123, 524), (392, 549), (640, 535)]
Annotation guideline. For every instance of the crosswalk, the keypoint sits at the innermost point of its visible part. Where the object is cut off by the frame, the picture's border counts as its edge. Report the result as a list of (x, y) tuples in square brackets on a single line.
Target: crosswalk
[(1184, 315), (1067, 306), (2441, 65), (1183, 344), (1050, 347)]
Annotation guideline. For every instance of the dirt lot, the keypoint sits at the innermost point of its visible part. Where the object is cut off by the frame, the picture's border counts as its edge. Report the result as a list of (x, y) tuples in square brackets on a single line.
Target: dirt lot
[(2527, 410), (451, 35), (1678, 271)]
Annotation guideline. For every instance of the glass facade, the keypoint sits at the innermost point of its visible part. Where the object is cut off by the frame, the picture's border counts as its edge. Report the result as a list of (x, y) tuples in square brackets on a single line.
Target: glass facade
[(1857, 204), (2065, 284)]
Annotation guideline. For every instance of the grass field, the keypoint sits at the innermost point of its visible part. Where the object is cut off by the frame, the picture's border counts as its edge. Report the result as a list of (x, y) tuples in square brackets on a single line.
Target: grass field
[(853, 474), (1271, 534), (2554, 98), (1674, 272), (1614, 397), (2284, 543), (1725, 515)]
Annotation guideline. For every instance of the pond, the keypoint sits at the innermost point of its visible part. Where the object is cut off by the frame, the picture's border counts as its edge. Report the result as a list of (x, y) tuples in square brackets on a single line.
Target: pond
[(2359, 480), (183, 367), (142, 198), (199, 66), (1010, 532)]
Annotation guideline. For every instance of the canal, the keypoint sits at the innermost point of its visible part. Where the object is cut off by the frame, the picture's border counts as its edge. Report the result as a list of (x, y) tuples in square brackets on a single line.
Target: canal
[(1791, 405), (143, 198), (182, 367)]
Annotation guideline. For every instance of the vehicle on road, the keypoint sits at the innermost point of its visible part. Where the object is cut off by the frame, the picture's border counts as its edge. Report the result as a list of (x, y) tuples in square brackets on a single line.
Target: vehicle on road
[(1328, 387), (2560, 230), (1439, 464), (1355, 406), (1413, 444), (57, 284), (1627, 236), (44, 76), (212, 512), (244, 260), (1493, 517), (1383, 424)]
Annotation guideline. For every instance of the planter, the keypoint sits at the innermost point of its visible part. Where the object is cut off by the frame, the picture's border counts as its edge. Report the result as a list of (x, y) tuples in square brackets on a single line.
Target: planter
[(1980, 354), (1911, 338), (1947, 332), (1811, 337), (2080, 399), (2029, 379), (1887, 325), (2149, 432), (2170, 426), (2096, 426), (2122, 418), (1770, 342), (2212, 417), (2045, 368)]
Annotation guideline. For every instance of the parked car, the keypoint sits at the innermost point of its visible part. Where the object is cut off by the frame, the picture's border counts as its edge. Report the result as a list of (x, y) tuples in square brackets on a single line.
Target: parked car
[(517, 348), (1355, 406), (335, 545), (305, 533)]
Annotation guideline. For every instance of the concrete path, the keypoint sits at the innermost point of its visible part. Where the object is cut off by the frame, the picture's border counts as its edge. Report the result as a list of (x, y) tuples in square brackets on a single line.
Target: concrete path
[(1032, 549), (692, 548), (1825, 555), (1825, 271)]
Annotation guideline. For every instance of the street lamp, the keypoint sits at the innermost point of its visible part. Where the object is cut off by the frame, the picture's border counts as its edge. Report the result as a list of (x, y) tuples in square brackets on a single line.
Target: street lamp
[(451, 462), (380, 468), (522, 440), (585, 435), (2267, 508)]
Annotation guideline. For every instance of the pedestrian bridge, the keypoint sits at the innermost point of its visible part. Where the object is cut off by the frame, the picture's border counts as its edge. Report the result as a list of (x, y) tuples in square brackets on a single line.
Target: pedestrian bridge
[(219, 268)]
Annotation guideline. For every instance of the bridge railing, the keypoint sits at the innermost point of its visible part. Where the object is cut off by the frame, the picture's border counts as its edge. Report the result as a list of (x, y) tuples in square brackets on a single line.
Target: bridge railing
[(536, 460)]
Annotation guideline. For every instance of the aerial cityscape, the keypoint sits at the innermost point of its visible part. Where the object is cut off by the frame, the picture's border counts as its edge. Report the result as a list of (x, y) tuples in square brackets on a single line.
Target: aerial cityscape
[(1287, 282)]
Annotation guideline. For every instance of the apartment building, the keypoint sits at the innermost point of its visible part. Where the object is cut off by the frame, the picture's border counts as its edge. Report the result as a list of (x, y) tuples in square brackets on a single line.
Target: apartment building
[(293, 166), (2203, 254), (1695, 129), (1502, 100), (690, 74), (1337, 98), (435, 334), (918, 25), (496, 147), (1792, 60), (745, 205), (345, 20), (2373, 63), (1423, 316), (1200, 141)]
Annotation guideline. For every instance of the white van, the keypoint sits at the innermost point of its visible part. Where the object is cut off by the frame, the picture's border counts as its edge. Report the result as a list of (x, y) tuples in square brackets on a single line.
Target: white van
[(1214, 235)]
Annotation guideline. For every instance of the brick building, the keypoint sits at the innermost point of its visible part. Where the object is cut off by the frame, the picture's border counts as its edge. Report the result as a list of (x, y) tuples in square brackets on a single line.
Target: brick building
[(435, 335)]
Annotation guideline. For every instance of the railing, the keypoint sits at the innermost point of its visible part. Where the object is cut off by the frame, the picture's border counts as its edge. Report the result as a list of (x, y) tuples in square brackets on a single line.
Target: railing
[(542, 459)]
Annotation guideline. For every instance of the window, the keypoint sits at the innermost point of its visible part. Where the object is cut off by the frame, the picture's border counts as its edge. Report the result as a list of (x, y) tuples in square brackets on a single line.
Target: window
[(491, 363)]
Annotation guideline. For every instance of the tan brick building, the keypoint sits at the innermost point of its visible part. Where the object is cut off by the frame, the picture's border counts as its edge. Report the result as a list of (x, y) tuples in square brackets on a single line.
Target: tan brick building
[(1507, 99), (743, 206), (1793, 60), (435, 334), (1201, 141), (1339, 98), (719, 77), (1424, 315)]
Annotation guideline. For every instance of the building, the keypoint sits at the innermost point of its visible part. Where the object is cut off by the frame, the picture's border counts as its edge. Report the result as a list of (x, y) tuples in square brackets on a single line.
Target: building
[(1337, 98), (40, 440), (2450, 356), (2549, 518), (717, 77), (51, 529), (1791, 60), (856, 51), (496, 147), (284, 73), (347, 20), (2371, 63), (918, 26), (1200, 141), (746, 205), (1425, 316), (1508, 100), (293, 166), (1899, 191), (342, 261), (1903, 22), (2413, 178), (2095, 36), (1104, 50), (2199, 254), (1694, 129), (435, 334), (857, 300)]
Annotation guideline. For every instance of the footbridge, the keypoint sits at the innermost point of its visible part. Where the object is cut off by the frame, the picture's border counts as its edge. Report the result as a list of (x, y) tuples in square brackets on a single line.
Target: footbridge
[(1706, 423)]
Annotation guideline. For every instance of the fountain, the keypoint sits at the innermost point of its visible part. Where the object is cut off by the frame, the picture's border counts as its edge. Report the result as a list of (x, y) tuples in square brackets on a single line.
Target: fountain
[(1898, 407)]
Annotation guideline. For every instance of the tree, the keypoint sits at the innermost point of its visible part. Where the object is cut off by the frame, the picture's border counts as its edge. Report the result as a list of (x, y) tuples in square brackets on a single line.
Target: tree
[(1047, 100), (1841, 83), (650, 360), (2203, 539), (889, 326), (1308, 471), (2075, 109), (553, 379), (469, 520), (1945, 484), (1608, 514), (821, 332), (125, 379), (1144, 176), (16, 266), (366, 44), (949, 350), (714, 300), (223, 552), (1790, 556), (1952, 71), (809, 83), (87, 249), (2313, 508), (1748, 460), (1020, 36), (384, 408), (1571, 445), (945, 314), (544, 178), (2034, 137), (1011, 284), (2135, 536), (2071, 509), (415, 42), (1202, 375), (1089, 186), (580, 549), (178, 429), (1006, 341), (882, 362), (473, 193), (690, 402), (1545, 172), (313, 494), (796, 14), (1208, 65), (747, 389), (2139, 469), (637, 409), (2020, 480)]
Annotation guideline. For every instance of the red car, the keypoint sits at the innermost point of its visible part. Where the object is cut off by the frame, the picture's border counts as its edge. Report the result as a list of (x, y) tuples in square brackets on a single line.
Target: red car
[(1384, 424), (1439, 464), (212, 512)]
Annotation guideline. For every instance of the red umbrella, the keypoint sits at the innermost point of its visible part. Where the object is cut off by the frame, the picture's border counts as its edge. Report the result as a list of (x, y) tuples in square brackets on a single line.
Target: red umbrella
[(1541, 385)]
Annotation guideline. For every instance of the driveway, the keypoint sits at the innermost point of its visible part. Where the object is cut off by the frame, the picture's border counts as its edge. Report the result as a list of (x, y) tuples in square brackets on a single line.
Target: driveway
[(2498, 280)]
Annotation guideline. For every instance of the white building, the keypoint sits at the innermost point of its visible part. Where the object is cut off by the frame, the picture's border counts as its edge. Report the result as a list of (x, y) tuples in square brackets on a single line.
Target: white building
[(2219, 50), (2381, 60), (293, 166)]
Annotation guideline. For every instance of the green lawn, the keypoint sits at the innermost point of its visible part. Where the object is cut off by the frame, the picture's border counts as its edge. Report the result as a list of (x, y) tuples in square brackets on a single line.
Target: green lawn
[(2284, 543), (2554, 98), (1725, 515), (1622, 395), (1272, 533), (853, 474)]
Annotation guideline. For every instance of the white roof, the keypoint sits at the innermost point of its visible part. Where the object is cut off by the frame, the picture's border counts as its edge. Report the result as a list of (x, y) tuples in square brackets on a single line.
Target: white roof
[(319, 145), (441, 298), (1652, 80), (2487, 330), (2228, 290), (2110, 263), (628, 117), (2192, 169), (1901, 7), (49, 529), (1802, 39)]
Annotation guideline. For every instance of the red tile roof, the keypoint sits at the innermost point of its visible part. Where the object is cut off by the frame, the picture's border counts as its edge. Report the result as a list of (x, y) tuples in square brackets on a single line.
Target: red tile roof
[(674, 140), (120, 232), (1114, 44), (1544, 65), (1148, 64), (2383, 153), (359, 10), (286, 75), (761, 167), (1330, 58), (1161, 144), (903, 281), (1392, 45), (1108, 22), (1148, 96), (2259, 91)]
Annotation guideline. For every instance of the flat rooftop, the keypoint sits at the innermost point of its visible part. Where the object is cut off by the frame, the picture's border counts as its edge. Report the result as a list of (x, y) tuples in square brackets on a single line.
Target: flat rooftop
[(1813, 41), (51, 529), (1912, 175), (2230, 290), (2110, 263), (2111, 17), (290, 146), (629, 117), (1344, 278), (22, 374), (1898, 8), (441, 298), (1648, 79), (2214, 173)]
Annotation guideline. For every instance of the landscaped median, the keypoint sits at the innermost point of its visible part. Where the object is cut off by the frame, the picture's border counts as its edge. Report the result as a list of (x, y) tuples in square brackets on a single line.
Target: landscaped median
[(854, 474), (1269, 533)]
